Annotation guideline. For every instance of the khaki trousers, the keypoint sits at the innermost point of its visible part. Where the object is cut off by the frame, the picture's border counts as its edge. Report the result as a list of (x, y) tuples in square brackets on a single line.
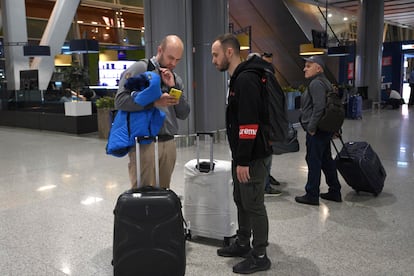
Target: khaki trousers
[(167, 155)]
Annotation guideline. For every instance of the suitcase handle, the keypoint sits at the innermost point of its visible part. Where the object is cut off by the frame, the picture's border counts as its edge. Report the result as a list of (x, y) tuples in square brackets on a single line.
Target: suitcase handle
[(343, 145), (211, 134), (138, 141)]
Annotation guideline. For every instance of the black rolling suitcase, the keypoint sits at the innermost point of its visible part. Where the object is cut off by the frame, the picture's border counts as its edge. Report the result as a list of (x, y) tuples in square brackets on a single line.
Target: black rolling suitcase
[(149, 238), (361, 167)]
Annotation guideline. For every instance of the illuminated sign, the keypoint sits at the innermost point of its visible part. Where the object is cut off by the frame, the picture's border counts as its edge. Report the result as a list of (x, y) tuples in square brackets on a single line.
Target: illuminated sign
[(407, 46)]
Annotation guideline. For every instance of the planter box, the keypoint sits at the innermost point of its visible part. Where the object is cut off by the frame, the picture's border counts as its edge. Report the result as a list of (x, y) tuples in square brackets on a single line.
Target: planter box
[(290, 98), (78, 108), (105, 119)]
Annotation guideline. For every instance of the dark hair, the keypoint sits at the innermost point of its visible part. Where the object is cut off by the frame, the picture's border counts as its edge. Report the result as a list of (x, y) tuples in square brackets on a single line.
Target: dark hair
[(268, 55), (229, 41)]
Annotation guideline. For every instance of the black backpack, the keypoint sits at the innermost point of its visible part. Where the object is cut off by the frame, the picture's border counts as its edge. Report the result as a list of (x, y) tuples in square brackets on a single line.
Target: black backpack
[(279, 132), (334, 113)]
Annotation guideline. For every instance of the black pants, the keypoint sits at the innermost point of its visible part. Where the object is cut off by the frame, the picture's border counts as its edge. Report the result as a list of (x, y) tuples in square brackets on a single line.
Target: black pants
[(251, 210), (395, 103)]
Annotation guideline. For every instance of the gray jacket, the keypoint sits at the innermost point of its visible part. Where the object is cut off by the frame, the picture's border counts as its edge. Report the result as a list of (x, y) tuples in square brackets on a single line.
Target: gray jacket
[(313, 102), (124, 101)]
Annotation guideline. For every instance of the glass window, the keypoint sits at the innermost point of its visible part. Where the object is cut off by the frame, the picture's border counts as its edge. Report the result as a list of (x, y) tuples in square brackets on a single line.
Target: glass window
[(133, 37), (102, 34), (36, 27), (135, 3)]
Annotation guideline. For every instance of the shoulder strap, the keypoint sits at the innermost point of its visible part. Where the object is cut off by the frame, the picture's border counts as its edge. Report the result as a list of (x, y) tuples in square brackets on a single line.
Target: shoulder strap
[(328, 86)]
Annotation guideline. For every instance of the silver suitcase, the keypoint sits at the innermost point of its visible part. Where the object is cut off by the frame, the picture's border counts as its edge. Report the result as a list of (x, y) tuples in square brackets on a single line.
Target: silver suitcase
[(209, 208)]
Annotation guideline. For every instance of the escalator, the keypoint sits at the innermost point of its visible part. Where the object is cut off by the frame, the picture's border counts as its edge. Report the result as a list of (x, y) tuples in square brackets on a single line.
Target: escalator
[(280, 27)]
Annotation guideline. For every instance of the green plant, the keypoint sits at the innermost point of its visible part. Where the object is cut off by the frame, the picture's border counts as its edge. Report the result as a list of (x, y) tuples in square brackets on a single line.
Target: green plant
[(288, 88), (76, 76), (302, 88), (105, 102)]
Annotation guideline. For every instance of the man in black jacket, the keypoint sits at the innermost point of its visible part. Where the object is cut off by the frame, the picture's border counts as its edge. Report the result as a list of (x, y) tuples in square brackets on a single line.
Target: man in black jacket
[(251, 153)]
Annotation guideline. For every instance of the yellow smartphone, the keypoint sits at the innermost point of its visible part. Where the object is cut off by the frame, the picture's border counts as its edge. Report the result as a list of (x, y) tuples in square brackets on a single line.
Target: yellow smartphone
[(175, 93)]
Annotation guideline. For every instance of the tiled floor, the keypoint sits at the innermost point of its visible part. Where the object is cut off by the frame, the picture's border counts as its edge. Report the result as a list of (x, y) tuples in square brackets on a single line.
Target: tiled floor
[(57, 193)]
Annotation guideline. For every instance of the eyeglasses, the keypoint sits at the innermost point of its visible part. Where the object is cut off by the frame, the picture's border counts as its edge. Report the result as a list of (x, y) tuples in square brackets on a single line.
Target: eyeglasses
[(268, 55)]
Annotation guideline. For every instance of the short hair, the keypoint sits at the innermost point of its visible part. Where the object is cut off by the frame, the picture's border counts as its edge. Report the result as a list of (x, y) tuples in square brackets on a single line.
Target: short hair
[(169, 39), (229, 41)]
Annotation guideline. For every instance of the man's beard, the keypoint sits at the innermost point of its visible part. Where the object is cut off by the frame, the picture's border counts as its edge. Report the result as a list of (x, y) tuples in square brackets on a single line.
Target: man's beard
[(224, 66), (161, 61)]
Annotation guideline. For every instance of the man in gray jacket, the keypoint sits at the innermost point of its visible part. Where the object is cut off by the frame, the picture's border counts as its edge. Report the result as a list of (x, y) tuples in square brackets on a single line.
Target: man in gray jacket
[(169, 53), (318, 143)]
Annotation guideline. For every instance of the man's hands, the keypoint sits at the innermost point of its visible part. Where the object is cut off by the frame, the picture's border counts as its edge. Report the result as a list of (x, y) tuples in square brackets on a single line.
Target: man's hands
[(166, 100), (243, 175), (167, 77)]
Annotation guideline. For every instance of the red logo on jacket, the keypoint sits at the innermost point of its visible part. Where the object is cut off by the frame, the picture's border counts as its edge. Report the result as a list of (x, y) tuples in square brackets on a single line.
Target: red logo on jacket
[(248, 131)]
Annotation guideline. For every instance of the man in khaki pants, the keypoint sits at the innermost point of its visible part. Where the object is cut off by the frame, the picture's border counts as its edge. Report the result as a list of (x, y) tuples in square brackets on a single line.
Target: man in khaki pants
[(169, 53)]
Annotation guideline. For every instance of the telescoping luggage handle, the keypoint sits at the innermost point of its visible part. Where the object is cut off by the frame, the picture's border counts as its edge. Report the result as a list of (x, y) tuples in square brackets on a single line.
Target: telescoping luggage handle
[(204, 167), (343, 146), (138, 141)]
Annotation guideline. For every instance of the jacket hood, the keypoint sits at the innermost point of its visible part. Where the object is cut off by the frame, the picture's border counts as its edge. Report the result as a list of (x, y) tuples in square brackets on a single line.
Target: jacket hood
[(254, 62)]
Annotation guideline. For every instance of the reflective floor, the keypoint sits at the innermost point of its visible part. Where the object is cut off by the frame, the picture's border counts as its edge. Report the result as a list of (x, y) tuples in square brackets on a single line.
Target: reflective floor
[(57, 193)]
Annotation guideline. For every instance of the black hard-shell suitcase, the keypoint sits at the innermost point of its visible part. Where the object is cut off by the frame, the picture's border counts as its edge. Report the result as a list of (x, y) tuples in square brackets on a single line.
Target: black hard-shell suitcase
[(149, 238), (361, 167)]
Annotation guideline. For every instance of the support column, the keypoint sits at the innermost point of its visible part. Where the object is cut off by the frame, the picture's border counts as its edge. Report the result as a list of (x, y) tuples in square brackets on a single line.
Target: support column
[(197, 23), (210, 85), (54, 36), (15, 37), (368, 61), (165, 17)]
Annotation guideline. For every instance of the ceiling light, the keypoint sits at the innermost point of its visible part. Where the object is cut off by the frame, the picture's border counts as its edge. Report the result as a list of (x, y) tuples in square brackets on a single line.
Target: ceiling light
[(46, 187), (91, 200), (309, 50)]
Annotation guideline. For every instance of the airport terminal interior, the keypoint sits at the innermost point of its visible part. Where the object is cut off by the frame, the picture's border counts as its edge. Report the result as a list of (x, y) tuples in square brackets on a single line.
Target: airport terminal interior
[(58, 192), (58, 187)]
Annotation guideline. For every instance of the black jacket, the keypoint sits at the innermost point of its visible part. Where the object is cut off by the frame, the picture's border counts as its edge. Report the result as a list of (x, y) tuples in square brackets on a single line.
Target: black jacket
[(244, 114)]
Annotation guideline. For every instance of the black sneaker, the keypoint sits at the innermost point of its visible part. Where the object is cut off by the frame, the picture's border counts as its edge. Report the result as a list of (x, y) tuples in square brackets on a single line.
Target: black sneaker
[(307, 200), (272, 192), (331, 196), (234, 250), (273, 181), (252, 264)]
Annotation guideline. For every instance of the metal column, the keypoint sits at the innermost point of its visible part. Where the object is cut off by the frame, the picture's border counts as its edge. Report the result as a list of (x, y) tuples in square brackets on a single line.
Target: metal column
[(165, 17), (210, 85), (369, 47), (197, 23), (54, 36), (15, 37)]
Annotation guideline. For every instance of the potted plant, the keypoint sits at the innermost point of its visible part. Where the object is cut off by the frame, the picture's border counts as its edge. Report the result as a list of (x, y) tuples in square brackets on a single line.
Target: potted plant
[(105, 107), (291, 95), (76, 77)]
